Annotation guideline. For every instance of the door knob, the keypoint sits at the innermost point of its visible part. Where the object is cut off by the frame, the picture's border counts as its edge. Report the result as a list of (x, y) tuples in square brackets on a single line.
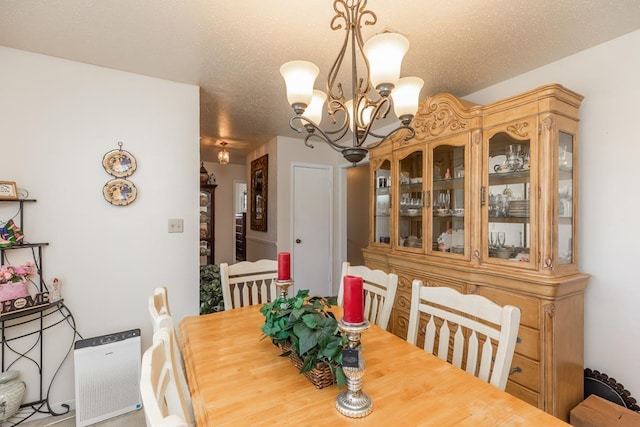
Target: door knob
[(298, 241)]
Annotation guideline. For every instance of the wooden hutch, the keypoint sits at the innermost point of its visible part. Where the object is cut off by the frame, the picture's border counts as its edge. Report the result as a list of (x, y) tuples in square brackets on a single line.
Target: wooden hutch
[(484, 199)]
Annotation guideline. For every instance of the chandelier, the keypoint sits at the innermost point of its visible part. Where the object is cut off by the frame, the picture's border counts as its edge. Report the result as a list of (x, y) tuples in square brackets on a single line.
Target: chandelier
[(373, 92), (223, 155)]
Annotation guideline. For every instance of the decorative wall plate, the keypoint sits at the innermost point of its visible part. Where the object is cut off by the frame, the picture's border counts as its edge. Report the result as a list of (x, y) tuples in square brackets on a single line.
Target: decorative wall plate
[(119, 163), (120, 192)]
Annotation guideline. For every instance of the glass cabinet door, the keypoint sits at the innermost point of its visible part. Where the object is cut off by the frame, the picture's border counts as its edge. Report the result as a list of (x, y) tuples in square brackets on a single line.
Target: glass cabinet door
[(382, 200), (510, 212), (448, 199), (411, 193), (565, 198)]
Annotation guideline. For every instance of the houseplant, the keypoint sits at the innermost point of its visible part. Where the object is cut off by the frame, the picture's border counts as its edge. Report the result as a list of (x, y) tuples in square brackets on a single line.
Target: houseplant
[(305, 327), (210, 289)]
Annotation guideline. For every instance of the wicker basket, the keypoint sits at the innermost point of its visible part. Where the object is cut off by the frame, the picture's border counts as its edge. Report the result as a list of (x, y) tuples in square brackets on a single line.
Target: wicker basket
[(320, 375)]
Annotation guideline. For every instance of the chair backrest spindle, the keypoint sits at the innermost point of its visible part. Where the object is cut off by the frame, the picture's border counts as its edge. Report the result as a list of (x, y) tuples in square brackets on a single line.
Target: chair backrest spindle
[(476, 323), (379, 288), (248, 283)]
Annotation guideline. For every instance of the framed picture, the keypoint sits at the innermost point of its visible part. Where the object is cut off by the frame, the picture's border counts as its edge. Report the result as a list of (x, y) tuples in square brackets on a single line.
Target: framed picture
[(259, 174), (8, 190)]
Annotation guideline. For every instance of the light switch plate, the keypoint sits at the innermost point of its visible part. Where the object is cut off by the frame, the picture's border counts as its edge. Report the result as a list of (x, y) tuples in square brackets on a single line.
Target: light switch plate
[(176, 226)]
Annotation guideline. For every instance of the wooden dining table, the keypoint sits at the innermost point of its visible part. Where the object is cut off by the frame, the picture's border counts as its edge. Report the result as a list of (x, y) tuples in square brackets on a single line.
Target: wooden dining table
[(237, 379)]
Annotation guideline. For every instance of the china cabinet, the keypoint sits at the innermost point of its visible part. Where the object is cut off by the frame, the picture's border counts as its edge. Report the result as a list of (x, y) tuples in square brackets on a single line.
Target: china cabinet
[(484, 199), (207, 223)]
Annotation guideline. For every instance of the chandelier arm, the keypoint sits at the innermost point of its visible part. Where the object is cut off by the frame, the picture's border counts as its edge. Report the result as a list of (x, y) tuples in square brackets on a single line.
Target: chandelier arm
[(362, 16), (412, 133), (334, 106), (381, 108), (337, 64), (314, 130)]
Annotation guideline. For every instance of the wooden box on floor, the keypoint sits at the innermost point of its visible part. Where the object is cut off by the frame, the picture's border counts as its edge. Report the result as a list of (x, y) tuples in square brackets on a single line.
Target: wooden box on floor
[(598, 412)]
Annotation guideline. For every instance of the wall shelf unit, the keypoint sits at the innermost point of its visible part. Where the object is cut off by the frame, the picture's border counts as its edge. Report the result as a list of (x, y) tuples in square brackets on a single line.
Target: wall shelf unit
[(24, 333)]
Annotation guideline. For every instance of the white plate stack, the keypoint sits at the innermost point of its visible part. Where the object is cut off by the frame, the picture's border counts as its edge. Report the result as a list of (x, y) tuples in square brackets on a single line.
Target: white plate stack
[(518, 208)]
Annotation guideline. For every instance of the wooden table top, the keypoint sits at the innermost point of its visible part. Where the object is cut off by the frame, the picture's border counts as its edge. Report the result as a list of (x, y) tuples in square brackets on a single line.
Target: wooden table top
[(236, 379)]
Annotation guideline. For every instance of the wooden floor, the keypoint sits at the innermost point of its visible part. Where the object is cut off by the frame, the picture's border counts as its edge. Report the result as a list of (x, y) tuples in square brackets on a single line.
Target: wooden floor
[(132, 419)]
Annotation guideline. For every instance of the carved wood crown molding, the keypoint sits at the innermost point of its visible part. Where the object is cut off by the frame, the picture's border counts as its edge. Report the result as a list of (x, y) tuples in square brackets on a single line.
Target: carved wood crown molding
[(519, 129), (437, 117)]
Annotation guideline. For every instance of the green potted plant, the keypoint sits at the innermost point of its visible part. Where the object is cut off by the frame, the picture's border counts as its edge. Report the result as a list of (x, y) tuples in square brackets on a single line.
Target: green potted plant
[(307, 328), (210, 289)]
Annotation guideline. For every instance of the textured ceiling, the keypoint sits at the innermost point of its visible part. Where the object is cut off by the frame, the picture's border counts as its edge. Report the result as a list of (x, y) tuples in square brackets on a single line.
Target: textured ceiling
[(233, 49)]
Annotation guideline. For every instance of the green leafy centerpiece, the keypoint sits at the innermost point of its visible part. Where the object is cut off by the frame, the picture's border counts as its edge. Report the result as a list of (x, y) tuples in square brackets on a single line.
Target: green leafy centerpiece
[(307, 332)]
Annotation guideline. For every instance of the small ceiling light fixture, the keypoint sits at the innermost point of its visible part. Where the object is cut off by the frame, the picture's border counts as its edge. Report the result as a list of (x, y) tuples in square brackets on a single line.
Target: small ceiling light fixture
[(372, 94), (223, 155)]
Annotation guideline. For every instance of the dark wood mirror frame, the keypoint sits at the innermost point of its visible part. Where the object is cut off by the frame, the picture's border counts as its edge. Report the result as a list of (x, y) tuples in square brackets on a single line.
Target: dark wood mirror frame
[(259, 175)]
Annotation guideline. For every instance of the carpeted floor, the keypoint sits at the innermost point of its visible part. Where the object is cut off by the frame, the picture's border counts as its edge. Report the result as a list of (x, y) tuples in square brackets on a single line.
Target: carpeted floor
[(132, 419)]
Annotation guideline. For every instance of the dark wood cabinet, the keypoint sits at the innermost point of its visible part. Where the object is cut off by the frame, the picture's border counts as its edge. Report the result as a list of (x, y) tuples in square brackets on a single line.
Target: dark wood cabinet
[(241, 233), (207, 223)]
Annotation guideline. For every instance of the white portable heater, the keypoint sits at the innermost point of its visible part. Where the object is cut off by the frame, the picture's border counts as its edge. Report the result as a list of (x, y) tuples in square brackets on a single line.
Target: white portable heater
[(107, 376)]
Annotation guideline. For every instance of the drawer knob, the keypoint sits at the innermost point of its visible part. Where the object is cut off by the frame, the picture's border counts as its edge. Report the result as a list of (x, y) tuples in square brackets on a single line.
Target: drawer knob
[(518, 340)]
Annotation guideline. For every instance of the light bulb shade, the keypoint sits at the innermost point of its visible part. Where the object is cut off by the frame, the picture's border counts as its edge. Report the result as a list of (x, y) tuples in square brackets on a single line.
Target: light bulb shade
[(406, 96), (384, 53), (223, 157), (314, 110), (364, 114), (299, 76)]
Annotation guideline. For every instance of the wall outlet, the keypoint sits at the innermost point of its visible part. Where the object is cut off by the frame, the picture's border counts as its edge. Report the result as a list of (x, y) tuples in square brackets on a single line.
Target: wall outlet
[(176, 226)]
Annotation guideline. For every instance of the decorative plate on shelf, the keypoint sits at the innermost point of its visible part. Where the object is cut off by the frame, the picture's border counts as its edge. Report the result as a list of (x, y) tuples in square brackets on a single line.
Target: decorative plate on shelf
[(119, 163), (120, 192), (497, 164)]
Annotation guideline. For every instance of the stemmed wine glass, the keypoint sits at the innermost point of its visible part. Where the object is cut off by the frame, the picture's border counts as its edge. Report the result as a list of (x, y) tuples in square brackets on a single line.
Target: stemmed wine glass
[(493, 239)]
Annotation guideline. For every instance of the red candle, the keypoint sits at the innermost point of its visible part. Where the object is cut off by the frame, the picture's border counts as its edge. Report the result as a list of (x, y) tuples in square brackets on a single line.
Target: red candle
[(284, 266), (353, 299)]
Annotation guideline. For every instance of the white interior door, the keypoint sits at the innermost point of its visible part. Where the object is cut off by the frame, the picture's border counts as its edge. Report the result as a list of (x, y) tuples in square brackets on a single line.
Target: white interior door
[(312, 228)]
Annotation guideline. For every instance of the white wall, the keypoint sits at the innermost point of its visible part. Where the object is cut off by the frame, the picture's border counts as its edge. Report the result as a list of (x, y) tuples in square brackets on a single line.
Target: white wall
[(225, 209), (58, 119), (609, 201)]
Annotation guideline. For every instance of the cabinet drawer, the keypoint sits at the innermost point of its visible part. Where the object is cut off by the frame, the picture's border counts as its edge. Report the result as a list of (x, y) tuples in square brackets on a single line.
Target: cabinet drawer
[(528, 343), (528, 306), (522, 393), (525, 372)]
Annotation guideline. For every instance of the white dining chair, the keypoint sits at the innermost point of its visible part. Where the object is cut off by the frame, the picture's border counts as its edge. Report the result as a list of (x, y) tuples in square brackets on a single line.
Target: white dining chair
[(160, 318), (159, 302), (248, 283), (162, 399), (466, 320), (379, 292)]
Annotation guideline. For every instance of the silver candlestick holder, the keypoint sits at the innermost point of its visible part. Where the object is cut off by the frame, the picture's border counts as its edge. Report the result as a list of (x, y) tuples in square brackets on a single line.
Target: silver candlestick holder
[(353, 402), (283, 287)]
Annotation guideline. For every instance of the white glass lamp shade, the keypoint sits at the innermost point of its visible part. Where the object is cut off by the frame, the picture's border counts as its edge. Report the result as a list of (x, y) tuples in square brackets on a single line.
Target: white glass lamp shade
[(299, 76), (385, 53), (314, 110), (223, 156), (406, 96), (365, 115)]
